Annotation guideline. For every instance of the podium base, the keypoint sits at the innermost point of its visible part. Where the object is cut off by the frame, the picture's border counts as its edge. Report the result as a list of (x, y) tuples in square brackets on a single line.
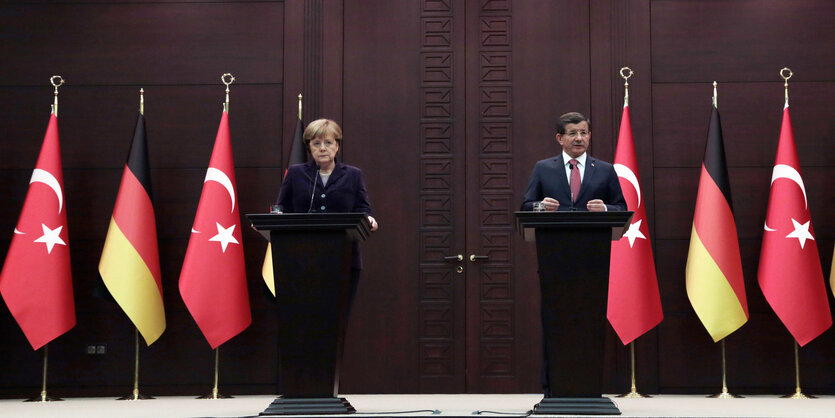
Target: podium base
[(308, 406), (576, 406)]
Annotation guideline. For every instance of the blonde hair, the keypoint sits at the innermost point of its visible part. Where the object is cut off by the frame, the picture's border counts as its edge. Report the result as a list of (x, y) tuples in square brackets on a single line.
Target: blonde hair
[(321, 128)]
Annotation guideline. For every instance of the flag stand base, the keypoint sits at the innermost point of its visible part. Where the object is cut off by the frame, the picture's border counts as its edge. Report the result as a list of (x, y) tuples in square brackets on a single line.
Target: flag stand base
[(215, 395), (309, 406), (799, 395), (576, 406), (135, 397), (44, 398)]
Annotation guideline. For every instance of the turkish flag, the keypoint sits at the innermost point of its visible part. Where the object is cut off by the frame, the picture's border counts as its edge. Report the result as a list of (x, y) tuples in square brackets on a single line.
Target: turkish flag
[(36, 281), (213, 279), (634, 301), (790, 272)]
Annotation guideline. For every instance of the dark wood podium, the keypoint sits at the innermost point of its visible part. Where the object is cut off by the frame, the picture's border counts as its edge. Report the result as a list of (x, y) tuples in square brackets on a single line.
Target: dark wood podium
[(311, 255), (573, 250)]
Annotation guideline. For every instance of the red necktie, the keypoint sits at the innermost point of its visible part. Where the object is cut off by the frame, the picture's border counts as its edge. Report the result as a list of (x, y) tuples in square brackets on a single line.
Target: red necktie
[(574, 181)]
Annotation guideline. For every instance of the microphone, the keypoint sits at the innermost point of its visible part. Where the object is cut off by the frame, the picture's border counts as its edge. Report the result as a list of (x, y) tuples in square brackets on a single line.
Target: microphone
[(312, 191)]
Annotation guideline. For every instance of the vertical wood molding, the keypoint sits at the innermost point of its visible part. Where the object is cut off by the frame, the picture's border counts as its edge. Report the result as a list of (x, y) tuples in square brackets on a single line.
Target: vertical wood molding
[(437, 338), (620, 37), (313, 59), (493, 149)]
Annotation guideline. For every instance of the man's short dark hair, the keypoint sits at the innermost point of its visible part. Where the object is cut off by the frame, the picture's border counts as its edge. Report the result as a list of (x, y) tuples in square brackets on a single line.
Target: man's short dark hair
[(573, 118)]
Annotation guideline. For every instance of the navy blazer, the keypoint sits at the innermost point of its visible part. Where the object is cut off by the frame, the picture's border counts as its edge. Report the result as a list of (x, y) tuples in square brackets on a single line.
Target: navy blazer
[(303, 192), (599, 182)]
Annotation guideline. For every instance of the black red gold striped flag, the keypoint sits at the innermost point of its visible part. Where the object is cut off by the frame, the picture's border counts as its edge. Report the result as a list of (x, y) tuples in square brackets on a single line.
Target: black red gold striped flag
[(129, 263), (298, 155), (715, 284)]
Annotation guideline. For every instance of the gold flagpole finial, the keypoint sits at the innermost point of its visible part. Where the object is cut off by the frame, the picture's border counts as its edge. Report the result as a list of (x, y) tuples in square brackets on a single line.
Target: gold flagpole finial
[(300, 106), (141, 101), (231, 79), (625, 77), (786, 81), (57, 81), (715, 96)]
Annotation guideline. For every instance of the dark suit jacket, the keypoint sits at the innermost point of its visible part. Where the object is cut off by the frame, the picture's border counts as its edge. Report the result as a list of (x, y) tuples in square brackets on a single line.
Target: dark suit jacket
[(599, 182), (302, 192)]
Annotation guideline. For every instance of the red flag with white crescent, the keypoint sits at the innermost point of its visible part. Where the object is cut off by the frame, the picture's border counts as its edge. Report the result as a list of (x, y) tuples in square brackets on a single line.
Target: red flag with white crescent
[(213, 279), (790, 273), (36, 281), (634, 300)]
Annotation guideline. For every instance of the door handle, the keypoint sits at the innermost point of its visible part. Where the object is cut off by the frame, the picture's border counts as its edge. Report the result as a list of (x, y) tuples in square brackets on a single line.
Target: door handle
[(458, 257), (475, 258)]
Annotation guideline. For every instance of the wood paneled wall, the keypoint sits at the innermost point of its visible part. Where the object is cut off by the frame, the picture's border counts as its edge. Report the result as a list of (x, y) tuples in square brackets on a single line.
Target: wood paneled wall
[(360, 63), (177, 52), (742, 46)]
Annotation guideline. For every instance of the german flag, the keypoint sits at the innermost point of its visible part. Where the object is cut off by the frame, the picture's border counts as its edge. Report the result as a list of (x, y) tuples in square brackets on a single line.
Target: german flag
[(715, 285), (298, 155), (129, 263)]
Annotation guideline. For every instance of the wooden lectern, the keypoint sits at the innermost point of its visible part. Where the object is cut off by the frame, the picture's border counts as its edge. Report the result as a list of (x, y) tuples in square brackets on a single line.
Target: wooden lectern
[(311, 255), (573, 250)]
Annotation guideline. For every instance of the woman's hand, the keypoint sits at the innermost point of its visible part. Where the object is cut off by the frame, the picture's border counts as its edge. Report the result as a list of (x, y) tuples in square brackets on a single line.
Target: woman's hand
[(373, 222)]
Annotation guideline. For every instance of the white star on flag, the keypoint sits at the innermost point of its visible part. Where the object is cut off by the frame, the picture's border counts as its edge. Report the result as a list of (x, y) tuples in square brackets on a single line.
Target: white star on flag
[(634, 232), (50, 237), (801, 232), (224, 236)]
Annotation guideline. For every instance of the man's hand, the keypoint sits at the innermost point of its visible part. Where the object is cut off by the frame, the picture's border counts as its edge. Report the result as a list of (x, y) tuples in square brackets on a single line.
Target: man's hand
[(596, 205), (551, 204)]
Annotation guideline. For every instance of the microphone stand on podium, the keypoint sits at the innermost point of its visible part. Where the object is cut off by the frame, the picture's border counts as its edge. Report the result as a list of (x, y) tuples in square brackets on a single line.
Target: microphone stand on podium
[(311, 255), (573, 250)]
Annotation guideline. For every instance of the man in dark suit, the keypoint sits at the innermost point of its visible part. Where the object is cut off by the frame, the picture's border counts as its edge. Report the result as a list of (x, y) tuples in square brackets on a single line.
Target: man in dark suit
[(574, 180)]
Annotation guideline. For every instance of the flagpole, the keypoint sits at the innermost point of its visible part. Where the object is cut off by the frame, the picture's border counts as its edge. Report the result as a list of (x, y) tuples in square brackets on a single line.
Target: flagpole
[(625, 77), (135, 395), (44, 397), (715, 96), (724, 394), (798, 393), (231, 79), (633, 393), (215, 394), (786, 74), (57, 81), (786, 82), (625, 73)]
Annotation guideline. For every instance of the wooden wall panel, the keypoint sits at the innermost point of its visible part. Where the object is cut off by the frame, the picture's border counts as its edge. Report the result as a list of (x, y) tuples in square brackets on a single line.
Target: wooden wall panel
[(147, 43), (385, 82), (381, 108), (742, 45), (740, 41), (177, 51)]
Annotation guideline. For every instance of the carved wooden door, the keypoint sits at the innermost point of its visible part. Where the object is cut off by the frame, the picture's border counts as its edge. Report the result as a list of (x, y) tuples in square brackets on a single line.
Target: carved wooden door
[(450, 119)]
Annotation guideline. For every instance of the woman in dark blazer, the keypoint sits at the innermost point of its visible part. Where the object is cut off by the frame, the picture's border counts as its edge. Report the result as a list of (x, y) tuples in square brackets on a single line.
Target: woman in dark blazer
[(326, 185)]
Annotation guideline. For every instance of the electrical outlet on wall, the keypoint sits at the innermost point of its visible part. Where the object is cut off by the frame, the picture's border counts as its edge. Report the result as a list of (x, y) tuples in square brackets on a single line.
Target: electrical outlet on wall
[(96, 349)]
